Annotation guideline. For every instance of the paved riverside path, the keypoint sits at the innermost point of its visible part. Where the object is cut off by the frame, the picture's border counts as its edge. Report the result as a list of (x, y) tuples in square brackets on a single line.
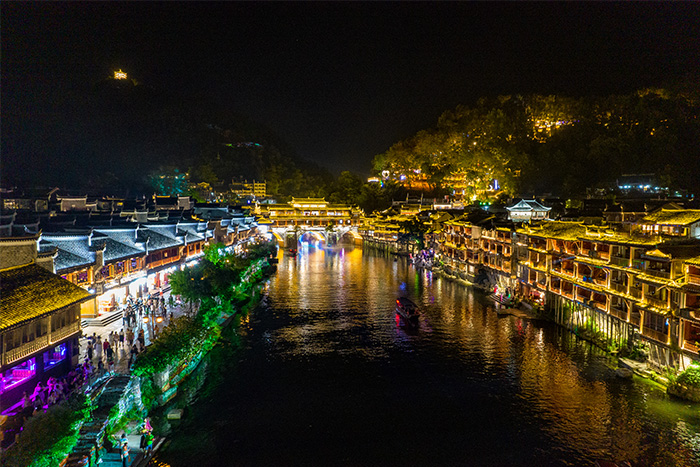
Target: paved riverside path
[(113, 459), (121, 354)]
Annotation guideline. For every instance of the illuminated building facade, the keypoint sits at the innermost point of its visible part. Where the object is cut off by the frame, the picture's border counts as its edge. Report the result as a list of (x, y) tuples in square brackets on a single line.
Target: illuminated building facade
[(640, 285), (313, 215), (39, 320)]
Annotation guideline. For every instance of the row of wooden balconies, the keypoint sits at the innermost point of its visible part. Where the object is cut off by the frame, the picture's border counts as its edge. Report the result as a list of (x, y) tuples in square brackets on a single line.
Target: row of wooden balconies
[(40, 343), (572, 292)]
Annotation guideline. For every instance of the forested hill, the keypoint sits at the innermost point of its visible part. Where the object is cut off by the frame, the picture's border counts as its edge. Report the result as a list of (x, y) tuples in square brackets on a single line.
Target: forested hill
[(118, 134), (555, 144)]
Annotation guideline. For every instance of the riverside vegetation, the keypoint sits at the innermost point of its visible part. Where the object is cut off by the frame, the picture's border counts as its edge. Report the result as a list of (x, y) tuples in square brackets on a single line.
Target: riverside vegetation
[(221, 285)]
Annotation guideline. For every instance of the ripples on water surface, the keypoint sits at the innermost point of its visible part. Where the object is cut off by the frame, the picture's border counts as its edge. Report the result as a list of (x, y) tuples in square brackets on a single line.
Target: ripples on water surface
[(325, 375)]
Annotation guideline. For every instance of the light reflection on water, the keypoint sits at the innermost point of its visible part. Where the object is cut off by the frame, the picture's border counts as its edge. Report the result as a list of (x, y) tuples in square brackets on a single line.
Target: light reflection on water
[(329, 376)]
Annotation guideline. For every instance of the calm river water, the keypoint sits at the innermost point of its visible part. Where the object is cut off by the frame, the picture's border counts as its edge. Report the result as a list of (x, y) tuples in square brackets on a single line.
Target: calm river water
[(321, 373)]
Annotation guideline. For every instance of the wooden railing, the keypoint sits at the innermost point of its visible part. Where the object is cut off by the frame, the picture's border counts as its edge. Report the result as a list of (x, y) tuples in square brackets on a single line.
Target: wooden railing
[(654, 334), (160, 262), (619, 261), (656, 302), (65, 331), (693, 279), (618, 312), (618, 287), (687, 345), (25, 349), (658, 273)]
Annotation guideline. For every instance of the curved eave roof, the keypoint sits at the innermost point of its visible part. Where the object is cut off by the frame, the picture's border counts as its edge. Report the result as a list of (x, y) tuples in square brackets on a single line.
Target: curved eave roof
[(674, 217), (29, 292)]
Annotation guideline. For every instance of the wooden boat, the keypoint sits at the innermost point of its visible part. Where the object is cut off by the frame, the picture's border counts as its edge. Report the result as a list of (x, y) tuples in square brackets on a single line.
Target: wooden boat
[(502, 299), (407, 310)]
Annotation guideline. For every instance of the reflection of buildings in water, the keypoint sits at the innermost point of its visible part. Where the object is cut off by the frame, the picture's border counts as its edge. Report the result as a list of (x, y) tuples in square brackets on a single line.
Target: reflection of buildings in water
[(580, 411)]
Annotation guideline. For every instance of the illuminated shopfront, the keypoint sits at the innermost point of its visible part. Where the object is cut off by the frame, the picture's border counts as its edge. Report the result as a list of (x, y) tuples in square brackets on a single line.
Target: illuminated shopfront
[(54, 356), (18, 374)]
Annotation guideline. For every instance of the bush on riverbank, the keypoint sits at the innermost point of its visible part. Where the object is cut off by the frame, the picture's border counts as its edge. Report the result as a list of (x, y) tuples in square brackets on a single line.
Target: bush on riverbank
[(47, 438), (182, 339), (687, 384), (221, 285)]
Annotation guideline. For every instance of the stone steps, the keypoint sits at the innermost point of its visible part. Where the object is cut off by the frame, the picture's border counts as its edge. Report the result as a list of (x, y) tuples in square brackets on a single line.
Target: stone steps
[(105, 320)]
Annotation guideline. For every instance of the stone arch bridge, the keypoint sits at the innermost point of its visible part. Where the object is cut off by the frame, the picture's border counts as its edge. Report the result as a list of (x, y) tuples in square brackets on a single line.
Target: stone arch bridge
[(286, 236)]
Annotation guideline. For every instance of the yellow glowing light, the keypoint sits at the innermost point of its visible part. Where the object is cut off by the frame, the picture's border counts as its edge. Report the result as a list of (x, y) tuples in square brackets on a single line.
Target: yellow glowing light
[(119, 74)]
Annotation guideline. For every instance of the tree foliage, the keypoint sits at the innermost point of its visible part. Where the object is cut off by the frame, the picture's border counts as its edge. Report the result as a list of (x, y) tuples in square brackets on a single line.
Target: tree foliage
[(554, 144), (48, 437), (215, 283)]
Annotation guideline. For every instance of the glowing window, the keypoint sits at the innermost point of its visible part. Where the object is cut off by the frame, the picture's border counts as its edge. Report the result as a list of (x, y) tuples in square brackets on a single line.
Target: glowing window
[(18, 375), (56, 355)]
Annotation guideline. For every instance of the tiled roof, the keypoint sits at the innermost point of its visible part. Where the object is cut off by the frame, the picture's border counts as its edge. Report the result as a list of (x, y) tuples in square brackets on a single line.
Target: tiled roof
[(73, 249), (160, 237), (673, 217), (124, 235), (528, 205), (694, 261), (31, 291), (556, 229), (65, 260), (114, 249), (677, 251)]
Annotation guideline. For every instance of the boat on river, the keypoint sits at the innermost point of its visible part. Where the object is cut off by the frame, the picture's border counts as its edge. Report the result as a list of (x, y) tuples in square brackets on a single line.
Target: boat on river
[(502, 299), (407, 310)]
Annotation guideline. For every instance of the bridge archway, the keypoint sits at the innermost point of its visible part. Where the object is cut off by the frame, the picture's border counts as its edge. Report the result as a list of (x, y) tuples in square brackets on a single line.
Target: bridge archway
[(350, 236), (312, 236), (278, 238)]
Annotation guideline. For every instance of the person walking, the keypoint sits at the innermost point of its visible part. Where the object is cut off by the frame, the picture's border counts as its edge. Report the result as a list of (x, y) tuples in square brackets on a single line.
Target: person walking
[(109, 353), (142, 339), (98, 348), (130, 337), (114, 339), (148, 448), (121, 338), (132, 354), (89, 350), (125, 454)]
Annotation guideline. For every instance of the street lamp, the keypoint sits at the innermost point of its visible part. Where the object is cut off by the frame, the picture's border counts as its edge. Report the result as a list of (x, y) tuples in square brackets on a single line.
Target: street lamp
[(147, 321)]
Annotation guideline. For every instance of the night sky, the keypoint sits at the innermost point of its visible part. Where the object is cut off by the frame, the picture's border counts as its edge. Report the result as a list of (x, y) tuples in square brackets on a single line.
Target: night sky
[(340, 82)]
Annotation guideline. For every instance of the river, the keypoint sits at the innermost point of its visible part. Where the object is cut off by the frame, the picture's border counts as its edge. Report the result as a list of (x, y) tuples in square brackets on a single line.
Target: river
[(322, 373)]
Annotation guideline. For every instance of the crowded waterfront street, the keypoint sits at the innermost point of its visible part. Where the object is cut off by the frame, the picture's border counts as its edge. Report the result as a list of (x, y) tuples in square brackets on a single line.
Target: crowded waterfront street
[(323, 373)]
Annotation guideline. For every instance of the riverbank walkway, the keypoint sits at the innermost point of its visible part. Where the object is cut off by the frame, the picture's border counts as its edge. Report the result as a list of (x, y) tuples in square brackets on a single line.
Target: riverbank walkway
[(96, 381), (121, 353)]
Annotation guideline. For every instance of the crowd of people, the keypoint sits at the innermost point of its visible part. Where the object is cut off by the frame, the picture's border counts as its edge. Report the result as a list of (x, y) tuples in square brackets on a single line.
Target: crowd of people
[(131, 338), (136, 309), (146, 443), (101, 354), (56, 389)]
